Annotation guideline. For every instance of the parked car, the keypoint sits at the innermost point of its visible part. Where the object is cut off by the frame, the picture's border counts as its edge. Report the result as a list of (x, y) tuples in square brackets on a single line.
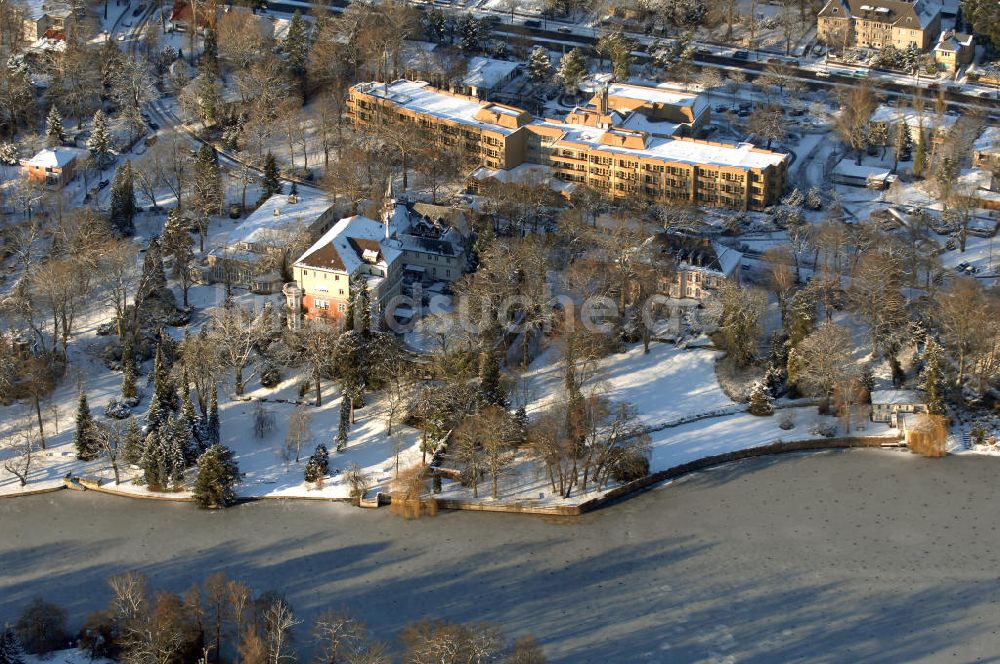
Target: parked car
[(533, 23), (742, 55), (102, 184), (563, 29), (932, 86), (822, 74), (721, 108)]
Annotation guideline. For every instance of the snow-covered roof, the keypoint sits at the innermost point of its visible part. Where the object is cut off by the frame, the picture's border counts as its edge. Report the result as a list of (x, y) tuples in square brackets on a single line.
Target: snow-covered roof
[(420, 97), (888, 114), (36, 9), (685, 151), (847, 167), (657, 95), (639, 122), (54, 157), (277, 216), (988, 141), (953, 41), (526, 174), (896, 397), (350, 244), (487, 73)]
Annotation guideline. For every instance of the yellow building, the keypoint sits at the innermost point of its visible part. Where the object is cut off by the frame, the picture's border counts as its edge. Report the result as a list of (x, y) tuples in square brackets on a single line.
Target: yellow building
[(878, 23), (954, 49), (626, 146)]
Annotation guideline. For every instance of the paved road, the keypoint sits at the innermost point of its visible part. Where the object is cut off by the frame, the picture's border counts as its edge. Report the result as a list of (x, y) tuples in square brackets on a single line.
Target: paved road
[(843, 556)]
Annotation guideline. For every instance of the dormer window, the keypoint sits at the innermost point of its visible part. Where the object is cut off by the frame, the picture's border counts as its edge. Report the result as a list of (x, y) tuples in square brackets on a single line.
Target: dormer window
[(369, 256)]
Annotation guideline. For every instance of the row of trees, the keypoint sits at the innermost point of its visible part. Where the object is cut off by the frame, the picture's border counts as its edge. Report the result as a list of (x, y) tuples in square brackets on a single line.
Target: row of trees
[(223, 619)]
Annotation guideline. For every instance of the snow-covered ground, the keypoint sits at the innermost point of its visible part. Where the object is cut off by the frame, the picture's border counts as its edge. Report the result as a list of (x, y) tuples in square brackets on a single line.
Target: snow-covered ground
[(65, 657), (663, 385)]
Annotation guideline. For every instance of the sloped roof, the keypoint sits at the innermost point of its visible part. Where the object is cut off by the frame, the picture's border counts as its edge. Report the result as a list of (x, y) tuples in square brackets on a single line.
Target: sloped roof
[(54, 158), (342, 248)]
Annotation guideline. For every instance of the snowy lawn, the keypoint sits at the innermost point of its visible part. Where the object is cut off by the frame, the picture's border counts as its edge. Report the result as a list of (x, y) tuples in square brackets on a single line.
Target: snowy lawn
[(664, 385)]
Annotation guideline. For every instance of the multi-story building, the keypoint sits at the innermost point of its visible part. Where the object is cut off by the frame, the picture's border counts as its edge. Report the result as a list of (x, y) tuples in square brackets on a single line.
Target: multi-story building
[(877, 23), (392, 255), (986, 149), (702, 265), (613, 151), (253, 252)]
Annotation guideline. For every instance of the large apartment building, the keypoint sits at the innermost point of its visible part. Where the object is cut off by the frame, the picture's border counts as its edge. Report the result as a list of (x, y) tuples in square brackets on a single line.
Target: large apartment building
[(627, 144), (879, 23)]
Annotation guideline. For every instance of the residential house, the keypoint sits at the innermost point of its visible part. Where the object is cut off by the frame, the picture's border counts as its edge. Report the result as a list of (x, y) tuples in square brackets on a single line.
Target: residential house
[(954, 49), (321, 289), (588, 147), (986, 149), (184, 13), (878, 23), (407, 248), (41, 16), (702, 265), (53, 167), (252, 256), (887, 405), (936, 128)]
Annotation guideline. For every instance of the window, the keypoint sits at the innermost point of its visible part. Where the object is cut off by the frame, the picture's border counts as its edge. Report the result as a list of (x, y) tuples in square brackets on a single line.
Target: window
[(341, 307), (321, 304)]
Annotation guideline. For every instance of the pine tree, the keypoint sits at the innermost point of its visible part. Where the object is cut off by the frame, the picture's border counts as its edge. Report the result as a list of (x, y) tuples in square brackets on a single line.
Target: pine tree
[(194, 443), (218, 474), (318, 464), (492, 391), (132, 448), (153, 284), (123, 205), (154, 462), (539, 66), (572, 69), (176, 441), (212, 419), (163, 403), (271, 182), (210, 53), (9, 155), (760, 400), (129, 390), (344, 423), (55, 135), (10, 648), (933, 380), (359, 306), (297, 45), (85, 438), (207, 195), (209, 96), (99, 143), (178, 245)]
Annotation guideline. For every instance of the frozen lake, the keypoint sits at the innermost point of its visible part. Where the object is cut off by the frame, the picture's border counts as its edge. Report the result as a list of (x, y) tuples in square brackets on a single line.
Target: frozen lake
[(842, 556)]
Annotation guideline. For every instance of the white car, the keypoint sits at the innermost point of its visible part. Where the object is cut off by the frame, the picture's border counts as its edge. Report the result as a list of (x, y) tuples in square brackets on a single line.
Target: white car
[(121, 37)]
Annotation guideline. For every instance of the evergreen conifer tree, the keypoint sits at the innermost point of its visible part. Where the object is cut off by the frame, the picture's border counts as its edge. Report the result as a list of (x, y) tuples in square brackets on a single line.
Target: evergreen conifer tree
[(572, 69), (132, 448), (933, 380), (297, 45), (100, 144), (10, 648), (153, 283), (123, 205), (154, 462), (55, 135), (344, 423), (539, 66), (85, 437), (318, 464), (194, 445), (176, 441), (129, 390), (271, 182), (492, 391), (218, 475), (212, 419), (210, 52), (760, 400)]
